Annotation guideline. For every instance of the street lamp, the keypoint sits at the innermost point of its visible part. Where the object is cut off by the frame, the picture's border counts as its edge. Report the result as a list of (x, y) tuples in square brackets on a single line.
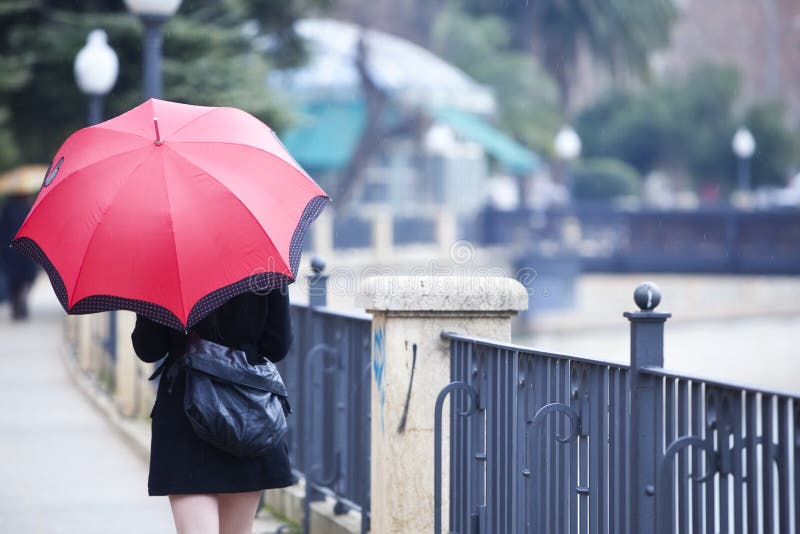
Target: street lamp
[(744, 146), (153, 13), (96, 69), (568, 147)]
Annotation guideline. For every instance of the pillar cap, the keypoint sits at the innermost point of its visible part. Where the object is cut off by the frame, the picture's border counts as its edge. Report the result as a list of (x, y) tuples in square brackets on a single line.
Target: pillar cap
[(443, 293)]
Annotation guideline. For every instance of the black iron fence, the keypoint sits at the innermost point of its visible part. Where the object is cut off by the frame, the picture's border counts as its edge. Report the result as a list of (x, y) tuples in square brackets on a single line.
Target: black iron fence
[(538, 442), (706, 240), (549, 443), (727, 457), (327, 375)]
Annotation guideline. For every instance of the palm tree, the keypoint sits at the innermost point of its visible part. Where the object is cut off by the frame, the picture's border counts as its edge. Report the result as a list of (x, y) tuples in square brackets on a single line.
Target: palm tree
[(619, 33)]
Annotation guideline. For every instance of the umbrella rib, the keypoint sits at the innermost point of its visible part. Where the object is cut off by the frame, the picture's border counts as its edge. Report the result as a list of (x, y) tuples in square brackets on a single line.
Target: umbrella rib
[(94, 232), (102, 126), (212, 110), (174, 246), (239, 200), (292, 163)]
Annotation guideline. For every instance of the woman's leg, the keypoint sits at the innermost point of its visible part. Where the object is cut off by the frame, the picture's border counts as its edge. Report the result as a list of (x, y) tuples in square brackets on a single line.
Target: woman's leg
[(237, 512), (195, 514)]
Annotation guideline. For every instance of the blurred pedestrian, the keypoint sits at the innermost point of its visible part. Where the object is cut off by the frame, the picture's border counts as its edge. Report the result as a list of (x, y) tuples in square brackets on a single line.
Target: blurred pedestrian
[(18, 271), (211, 491)]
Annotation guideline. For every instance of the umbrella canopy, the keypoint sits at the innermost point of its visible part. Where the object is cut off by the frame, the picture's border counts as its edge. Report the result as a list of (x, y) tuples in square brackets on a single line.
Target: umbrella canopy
[(170, 210), (23, 180)]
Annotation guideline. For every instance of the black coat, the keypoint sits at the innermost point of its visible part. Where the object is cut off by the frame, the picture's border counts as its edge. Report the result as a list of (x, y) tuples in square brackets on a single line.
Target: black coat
[(179, 461), (17, 268)]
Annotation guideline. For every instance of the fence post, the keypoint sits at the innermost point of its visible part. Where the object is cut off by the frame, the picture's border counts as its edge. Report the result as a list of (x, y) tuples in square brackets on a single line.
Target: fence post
[(410, 366), (317, 283), (647, 350)]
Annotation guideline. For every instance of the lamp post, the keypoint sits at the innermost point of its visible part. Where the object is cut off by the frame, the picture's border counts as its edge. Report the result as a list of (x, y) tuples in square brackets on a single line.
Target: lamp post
[(744, 146), (153, 13), (567, 145), (96, 69)]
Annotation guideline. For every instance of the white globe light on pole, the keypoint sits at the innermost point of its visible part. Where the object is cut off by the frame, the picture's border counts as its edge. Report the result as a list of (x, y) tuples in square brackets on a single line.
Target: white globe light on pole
[(744, 146), (163, 8), (96, 69), (567, 145), (153, 13)]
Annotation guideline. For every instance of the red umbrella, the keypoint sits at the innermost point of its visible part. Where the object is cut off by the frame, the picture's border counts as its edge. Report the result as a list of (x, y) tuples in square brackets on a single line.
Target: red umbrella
[(170, 210)]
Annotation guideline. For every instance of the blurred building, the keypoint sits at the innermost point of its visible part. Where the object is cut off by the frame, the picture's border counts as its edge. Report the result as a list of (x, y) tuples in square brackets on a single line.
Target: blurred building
[(760, 38), (438, 146)]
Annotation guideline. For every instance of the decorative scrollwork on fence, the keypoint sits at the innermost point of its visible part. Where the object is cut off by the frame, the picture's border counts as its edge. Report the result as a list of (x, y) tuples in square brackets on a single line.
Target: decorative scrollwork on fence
[(472, 395), (724, 444), (555, 407), (314, 476)]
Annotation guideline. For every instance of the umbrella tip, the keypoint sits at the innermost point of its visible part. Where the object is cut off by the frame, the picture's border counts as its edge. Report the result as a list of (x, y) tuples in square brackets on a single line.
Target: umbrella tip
[(159, 141)]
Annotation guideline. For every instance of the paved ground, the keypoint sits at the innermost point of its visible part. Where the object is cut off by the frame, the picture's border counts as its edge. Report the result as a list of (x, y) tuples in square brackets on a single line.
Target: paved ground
[(63, 468)]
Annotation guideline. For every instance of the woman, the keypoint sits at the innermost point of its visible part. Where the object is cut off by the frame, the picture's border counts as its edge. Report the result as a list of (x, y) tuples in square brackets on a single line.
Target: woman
[(211, 491)]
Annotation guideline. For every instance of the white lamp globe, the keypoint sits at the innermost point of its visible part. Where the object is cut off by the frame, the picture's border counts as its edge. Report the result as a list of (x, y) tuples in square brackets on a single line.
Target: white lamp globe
[(743, 143), (153, 8), (96, 65), (567, 143)]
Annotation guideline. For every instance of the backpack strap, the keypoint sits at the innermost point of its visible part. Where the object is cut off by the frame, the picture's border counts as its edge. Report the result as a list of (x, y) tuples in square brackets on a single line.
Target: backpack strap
[(161, 368)]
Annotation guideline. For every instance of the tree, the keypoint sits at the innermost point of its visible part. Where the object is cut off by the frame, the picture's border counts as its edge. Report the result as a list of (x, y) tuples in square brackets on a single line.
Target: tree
[(682, 126), (215, 53), (685, 126), (526, 95), (618, 33), (777, 148)]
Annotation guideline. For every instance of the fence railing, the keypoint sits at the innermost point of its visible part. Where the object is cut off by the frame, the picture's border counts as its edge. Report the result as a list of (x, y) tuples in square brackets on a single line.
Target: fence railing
[(706, 240), (327, 374), (727, 457), (543, 447), (548, 443)]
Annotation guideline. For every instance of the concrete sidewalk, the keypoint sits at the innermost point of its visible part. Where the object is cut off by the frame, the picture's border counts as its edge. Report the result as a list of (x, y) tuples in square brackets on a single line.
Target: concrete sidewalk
[(66, 467), (63, 468)]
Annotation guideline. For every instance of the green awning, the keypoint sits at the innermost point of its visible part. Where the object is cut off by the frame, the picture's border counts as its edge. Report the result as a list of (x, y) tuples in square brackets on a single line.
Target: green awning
[(497, 144), (326, 135)]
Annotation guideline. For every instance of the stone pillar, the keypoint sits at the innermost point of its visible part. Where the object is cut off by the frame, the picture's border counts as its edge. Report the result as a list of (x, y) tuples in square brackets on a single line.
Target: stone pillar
[(409, 315), (126, 390), (85, 348), (446, 230), (382, 234), (322, 234)]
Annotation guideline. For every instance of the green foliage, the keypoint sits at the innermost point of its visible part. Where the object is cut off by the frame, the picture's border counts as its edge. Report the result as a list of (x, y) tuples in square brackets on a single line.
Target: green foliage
[(685, 126), (777, 148), (604, 179), (9, 152), (527, 96), (208, 60)]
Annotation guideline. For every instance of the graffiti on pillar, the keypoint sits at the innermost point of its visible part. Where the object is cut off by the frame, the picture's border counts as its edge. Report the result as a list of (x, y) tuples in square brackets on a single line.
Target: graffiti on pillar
[(379, 364)]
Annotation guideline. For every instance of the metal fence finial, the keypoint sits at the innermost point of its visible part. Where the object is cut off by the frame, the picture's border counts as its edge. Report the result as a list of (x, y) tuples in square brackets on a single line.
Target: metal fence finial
[(647, 296), (317, 283)]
